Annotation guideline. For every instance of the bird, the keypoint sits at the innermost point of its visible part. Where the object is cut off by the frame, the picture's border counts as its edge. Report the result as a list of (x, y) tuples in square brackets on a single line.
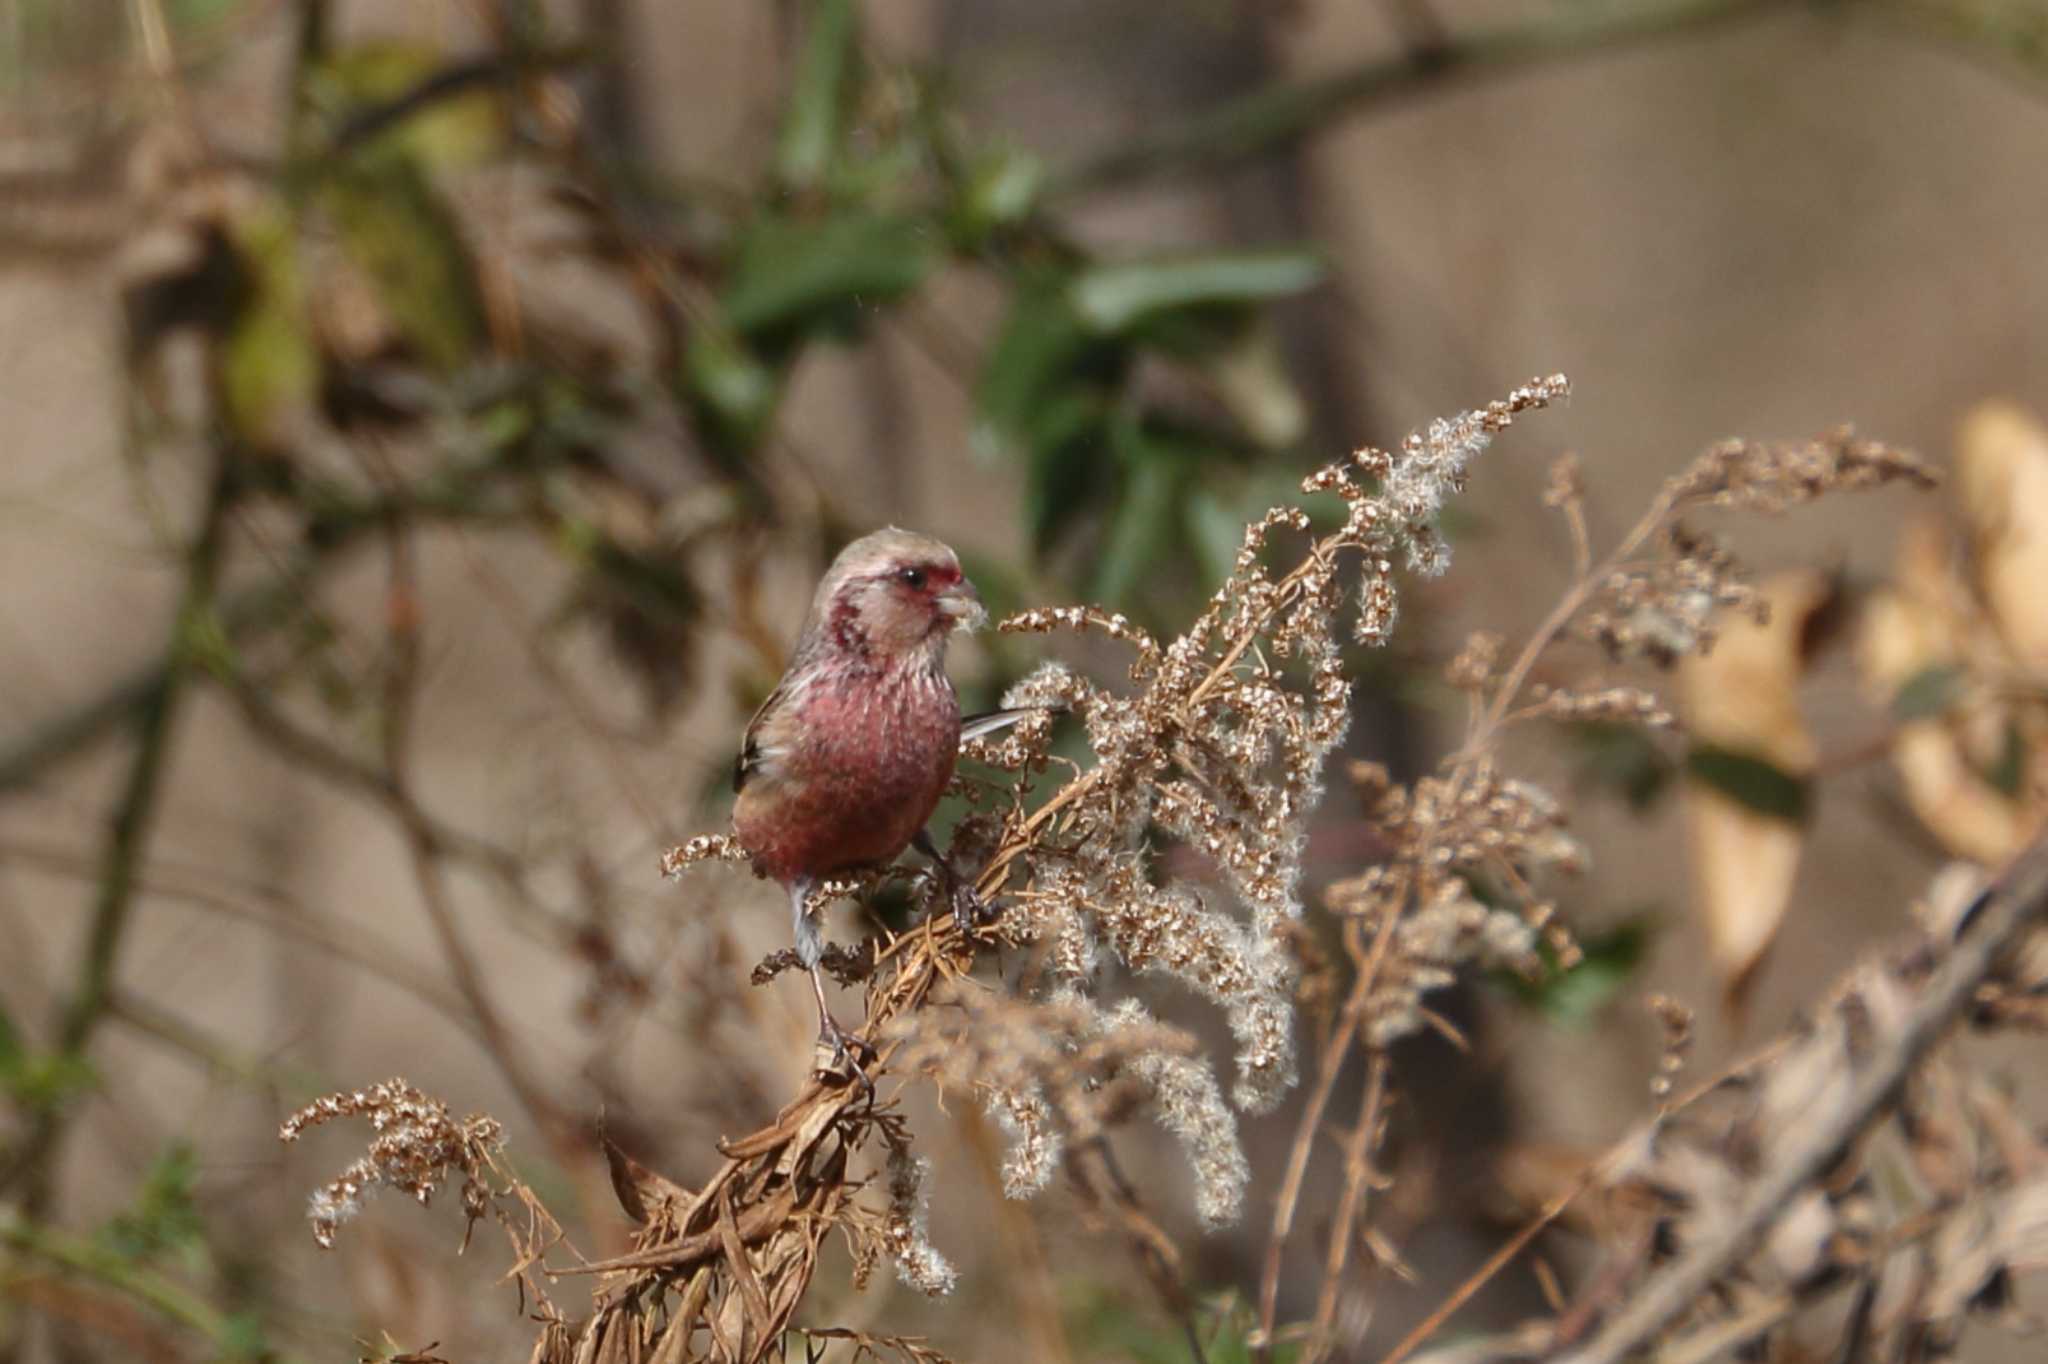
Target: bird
[(843, 764)]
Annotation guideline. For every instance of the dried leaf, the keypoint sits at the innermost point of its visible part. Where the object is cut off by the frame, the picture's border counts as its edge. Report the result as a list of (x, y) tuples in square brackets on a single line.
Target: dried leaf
[(1750, 766), (642, 1192), (2002, 481)]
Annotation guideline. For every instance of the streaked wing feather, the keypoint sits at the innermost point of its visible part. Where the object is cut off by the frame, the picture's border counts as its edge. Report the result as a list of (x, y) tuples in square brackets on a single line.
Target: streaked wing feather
[(751, 755), (990, 721)]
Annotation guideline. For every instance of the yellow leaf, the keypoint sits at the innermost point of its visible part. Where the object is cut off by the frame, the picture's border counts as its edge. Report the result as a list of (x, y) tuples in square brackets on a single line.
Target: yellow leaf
[(1927, 623), (2002, 479), (1741, 702)]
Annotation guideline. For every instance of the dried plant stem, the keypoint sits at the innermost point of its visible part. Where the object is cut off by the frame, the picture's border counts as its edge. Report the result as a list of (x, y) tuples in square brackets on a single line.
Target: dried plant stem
[(532, 635), (2010, 908), (1336, 1051), (1586, 583), (401, 685), (1359, 1144), (498, 1042), (1587, 1177), (1499, 1260)]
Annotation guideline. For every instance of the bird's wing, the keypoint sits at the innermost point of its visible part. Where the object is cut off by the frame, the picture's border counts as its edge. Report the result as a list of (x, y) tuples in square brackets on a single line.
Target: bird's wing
[(989, 721), (752, 751)]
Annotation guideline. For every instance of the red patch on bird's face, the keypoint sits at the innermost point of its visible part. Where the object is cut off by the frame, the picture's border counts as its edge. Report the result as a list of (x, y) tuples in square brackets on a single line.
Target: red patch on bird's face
[(924, 580), (901, 606)]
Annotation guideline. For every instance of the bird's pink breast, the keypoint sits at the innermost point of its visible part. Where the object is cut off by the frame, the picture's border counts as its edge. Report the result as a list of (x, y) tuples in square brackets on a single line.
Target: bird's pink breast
[(864, 758)]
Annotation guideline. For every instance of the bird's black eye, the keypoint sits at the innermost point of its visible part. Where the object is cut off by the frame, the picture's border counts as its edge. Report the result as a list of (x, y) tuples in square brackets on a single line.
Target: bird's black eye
[(912, 578)]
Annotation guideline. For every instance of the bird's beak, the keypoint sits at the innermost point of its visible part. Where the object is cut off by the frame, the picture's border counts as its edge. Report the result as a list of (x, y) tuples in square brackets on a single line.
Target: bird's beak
[(961, 604)]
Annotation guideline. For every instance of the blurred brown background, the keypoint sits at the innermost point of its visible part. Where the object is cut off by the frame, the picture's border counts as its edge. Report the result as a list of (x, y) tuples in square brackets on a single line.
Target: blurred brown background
[(1742, 219)]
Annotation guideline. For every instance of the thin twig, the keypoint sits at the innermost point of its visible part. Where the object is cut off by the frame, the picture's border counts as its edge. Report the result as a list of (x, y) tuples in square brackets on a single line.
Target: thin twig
[(1271, 117), (222, 893), (1358, 1175), (1329, 1066), (338, 524), (1495, 1262), (129, 830)]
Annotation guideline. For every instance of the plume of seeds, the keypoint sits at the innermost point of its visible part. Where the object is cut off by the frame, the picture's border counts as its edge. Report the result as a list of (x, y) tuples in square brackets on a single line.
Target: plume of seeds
[(1220, 746), (418, 1147)]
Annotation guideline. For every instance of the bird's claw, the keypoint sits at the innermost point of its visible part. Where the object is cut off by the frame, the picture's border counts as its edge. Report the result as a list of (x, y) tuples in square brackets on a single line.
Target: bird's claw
[(969, 910), (848, 1051)]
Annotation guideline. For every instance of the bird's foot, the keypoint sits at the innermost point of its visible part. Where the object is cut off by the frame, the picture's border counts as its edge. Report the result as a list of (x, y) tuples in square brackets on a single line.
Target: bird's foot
[(969, 910), (847, 1052)]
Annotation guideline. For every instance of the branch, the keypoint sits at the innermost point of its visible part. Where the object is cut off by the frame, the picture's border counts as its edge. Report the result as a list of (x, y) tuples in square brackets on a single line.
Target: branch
[(2003, 915), (1271, 117), (336, 522), (128, 832), (494, 73)]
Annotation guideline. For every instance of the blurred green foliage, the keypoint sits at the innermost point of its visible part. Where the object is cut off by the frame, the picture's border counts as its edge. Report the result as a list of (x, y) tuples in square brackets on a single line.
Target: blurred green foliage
[(1107, 1325), (164, 1219), (1752, 781), (1573, 996), (1623, 759)]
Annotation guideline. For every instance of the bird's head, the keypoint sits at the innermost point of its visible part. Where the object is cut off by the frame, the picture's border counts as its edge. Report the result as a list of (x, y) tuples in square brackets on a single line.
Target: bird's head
[(894, 593)]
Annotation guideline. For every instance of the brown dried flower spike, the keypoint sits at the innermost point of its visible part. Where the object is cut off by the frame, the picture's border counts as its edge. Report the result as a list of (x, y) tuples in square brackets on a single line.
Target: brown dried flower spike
[(417, 1147)]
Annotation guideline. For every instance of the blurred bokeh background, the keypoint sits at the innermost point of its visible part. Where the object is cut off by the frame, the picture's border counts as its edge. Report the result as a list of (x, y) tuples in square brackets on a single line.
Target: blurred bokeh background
[(421, 425)]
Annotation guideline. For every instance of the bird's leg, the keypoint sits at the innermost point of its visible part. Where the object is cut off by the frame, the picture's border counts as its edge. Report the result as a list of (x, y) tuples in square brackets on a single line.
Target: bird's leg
[(810, 950), (968, 910)]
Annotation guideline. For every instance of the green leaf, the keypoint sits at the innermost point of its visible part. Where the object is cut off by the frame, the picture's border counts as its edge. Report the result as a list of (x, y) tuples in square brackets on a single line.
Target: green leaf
[(730, 384), (165, 1216), (1109, 1327), (810, 131), (1749, 780), (1215, 534), (1114, 298), (1042, 346), (196, 13), (1143, 524), (1250, 377), (1574, 997), (1929, 692), (1001, 191), (40, 1081), (2008, 774), (394, 224), (790, 271), (1070, 462), (242, 1338), (205, 641), (270, 370)]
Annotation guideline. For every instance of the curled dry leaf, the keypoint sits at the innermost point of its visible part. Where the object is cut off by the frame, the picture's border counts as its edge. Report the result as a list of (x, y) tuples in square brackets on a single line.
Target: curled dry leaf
[(1753, 755), (1957, 646), (2002, 481)]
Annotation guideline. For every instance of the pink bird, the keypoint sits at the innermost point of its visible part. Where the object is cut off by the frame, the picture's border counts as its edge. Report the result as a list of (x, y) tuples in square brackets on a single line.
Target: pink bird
[(848, 756)]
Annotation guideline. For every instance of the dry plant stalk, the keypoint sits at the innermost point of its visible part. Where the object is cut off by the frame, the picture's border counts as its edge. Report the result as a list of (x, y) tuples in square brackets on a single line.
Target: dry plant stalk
[(1470, 850), (1218, 746)]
